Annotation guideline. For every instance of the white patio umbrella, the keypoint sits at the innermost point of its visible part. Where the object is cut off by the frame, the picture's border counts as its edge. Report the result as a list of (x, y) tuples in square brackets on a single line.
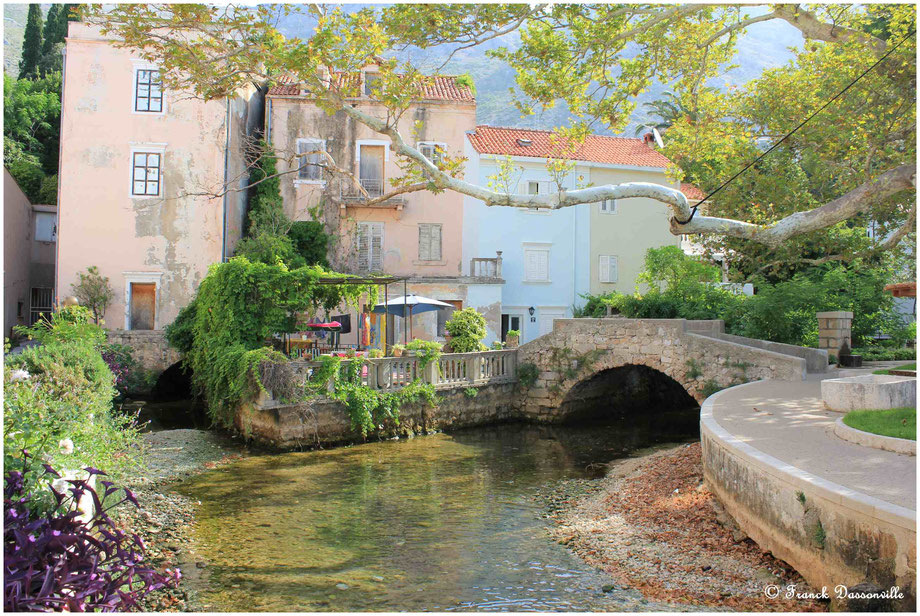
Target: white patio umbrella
[(410, 305)]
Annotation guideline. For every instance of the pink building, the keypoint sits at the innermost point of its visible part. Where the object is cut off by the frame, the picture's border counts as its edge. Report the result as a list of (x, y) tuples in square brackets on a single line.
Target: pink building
[(141, 180), (418, 235)]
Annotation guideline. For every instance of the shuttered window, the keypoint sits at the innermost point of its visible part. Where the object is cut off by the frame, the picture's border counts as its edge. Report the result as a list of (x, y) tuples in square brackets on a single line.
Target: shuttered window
[(608, 206), (607, 268), (538, 187), (536, 264), (310, 153), (370, 246), (429, 242), (433, 151)]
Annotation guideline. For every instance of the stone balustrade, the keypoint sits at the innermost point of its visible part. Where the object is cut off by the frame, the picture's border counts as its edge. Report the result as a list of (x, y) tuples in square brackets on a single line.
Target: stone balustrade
[(450, 371)]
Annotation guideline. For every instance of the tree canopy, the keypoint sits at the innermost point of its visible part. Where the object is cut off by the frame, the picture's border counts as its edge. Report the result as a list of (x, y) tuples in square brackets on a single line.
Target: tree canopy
[(854, 160)]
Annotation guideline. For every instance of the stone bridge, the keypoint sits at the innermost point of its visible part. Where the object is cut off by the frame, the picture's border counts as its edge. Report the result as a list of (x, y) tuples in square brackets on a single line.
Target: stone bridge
[(150, 347), (584, 362)]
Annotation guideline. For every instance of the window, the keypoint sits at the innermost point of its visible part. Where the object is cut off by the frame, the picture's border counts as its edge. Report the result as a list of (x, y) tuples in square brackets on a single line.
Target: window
[(511, 322), (148, 91), (608, 206), (536, 264), (433, 151), (145, 173), (310, 152), (607, 268), (539, 187), (370, 246), (370, 80), (45, 227), (429, 242)]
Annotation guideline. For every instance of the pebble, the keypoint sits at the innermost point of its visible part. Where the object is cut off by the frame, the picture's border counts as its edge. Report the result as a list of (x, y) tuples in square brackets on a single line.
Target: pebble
[(342, 586)]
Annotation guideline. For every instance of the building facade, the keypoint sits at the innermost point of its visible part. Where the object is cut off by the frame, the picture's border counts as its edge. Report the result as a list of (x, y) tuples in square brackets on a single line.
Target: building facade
[(147, 181), (551, 259), (29, 241), (332, 166)]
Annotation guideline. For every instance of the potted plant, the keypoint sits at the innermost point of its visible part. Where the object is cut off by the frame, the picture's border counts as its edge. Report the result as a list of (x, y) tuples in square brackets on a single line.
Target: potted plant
[(375, 353), (512, 338), (497, 346), (397, 350), (467, 329)]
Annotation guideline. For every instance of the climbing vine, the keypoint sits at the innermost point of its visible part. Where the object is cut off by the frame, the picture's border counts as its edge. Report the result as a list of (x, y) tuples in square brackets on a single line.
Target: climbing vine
[(368, 409), (226, 333)]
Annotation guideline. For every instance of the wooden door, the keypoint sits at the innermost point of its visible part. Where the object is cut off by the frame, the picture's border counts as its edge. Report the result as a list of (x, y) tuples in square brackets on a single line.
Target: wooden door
[(143, 305)]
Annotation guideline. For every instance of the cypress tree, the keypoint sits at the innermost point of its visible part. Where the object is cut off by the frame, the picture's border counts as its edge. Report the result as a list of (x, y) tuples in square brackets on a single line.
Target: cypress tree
[(53, 32), (31, 44)]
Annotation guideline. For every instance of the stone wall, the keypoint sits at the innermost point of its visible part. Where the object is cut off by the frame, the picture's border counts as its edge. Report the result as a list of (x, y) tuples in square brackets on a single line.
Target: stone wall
[(322, 421), (830, 534), (815, 359), (150, 347), (578, 349)]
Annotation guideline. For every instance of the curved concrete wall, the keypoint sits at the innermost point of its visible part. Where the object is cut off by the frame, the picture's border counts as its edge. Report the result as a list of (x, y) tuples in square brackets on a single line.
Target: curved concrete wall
[(829, 533)]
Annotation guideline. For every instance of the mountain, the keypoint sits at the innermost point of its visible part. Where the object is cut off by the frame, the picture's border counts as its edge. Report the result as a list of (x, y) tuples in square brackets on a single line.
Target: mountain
[(14, 28)]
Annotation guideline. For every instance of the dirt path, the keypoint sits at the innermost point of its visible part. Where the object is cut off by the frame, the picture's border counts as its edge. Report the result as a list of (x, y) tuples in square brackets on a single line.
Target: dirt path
[(653, 526)]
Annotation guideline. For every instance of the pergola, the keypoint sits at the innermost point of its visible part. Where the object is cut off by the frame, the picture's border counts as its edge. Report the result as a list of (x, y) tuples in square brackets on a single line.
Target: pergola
[(902, 289)]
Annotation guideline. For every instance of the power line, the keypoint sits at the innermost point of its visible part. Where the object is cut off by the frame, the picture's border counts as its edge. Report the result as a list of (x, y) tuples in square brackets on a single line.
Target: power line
[(793, 131)]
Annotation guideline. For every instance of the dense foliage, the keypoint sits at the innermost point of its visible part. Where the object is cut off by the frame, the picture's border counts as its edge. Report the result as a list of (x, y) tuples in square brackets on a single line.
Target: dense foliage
[(467, 329), (226, 333), (370, 410), (130, 375), (782, 312), (58, 400), (55, 561)]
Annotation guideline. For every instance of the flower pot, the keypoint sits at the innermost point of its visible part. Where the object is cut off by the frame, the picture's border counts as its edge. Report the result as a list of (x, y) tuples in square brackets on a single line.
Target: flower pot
[(511, 342), (397, 352)]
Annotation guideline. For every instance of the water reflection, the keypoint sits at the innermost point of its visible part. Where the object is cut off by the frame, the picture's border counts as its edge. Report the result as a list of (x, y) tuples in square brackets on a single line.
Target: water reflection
[(433, 523)]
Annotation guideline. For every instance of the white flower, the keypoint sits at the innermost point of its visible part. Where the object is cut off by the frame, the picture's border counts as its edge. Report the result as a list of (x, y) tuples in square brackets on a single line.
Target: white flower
[(19, 375), (66, 446)]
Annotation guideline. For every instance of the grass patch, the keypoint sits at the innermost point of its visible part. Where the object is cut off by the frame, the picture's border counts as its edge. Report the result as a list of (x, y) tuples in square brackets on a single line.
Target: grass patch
[(912, 366), (899, 423)]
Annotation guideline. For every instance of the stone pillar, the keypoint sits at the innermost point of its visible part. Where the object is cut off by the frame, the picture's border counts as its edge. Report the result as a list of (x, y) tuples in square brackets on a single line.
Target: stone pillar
[(833, 330)]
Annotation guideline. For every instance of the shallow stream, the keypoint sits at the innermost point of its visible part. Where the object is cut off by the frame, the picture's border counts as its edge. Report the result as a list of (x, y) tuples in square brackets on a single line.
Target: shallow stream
[(442, 522)]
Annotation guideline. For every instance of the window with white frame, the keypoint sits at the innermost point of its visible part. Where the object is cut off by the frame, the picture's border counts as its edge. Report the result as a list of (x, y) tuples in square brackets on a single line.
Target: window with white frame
[(429, 242), (370, 246), (146, 177), (312, 159), (148, 90), (539, 187), (608, 206), (536, 263), (370, 82), (45, 227), (433, 150), (607, 268)]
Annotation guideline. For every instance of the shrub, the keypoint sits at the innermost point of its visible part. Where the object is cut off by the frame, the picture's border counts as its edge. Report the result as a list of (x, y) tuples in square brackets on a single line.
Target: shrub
[(129, 375), (527, 374), (58, 400), (426, 350), (309, 241), (94, 291), (56, 562), (467, 329)]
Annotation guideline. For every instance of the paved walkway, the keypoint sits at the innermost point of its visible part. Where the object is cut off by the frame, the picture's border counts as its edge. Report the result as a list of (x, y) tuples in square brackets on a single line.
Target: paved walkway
[(790, 423)]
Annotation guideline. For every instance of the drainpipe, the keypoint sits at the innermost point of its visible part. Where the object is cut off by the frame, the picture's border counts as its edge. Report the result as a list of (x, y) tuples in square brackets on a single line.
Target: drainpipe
[(223, 242), (57, 244)]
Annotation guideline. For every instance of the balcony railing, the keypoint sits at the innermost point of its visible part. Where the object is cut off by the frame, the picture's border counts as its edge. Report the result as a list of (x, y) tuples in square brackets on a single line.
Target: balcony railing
[(483, 267), (375, 187)]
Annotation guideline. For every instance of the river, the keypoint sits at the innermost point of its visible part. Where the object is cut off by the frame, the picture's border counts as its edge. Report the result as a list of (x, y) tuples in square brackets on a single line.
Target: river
[(441, 522)]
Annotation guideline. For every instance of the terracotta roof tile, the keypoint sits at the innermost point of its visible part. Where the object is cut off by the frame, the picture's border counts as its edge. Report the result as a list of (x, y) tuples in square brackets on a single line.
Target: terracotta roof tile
[(691, 191), (596, 148), (438, 87)]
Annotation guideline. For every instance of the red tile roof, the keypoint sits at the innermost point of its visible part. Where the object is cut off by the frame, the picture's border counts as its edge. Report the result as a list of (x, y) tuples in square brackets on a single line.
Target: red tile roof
[(437, 88), (596, 148), (692, 192)]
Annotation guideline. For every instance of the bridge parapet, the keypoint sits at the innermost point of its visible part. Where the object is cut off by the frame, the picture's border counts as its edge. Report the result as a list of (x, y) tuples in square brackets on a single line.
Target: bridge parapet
[(578, 349), (150, 347)]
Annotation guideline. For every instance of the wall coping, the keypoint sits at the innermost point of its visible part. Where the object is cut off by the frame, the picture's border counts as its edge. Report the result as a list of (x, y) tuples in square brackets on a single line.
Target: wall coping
[(836, 314), (790, 474), (876, 441)]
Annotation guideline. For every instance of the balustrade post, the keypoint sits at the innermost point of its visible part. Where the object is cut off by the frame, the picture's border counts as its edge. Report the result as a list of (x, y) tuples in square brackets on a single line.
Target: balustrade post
[(498, 264), (431, 373), (472, 367), (372, 374)]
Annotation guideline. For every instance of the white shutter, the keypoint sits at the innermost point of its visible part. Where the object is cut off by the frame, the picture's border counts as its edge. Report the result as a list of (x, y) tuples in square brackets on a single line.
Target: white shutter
[(435, 242), (536, 264), (363, 238), (603, 269), (609, 206), (543, 265)]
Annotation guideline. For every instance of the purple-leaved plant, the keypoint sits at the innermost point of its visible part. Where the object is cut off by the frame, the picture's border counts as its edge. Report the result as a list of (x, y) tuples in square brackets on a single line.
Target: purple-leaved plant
[(55, 561)]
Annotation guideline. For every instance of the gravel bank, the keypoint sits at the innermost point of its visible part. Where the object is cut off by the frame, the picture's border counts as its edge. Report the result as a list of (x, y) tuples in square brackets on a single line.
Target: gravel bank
[(165, 516), (653, 526)]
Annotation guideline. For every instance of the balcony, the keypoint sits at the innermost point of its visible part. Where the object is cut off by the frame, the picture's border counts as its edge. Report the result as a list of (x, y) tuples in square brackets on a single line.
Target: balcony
[(351, 196), (487, 267)]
